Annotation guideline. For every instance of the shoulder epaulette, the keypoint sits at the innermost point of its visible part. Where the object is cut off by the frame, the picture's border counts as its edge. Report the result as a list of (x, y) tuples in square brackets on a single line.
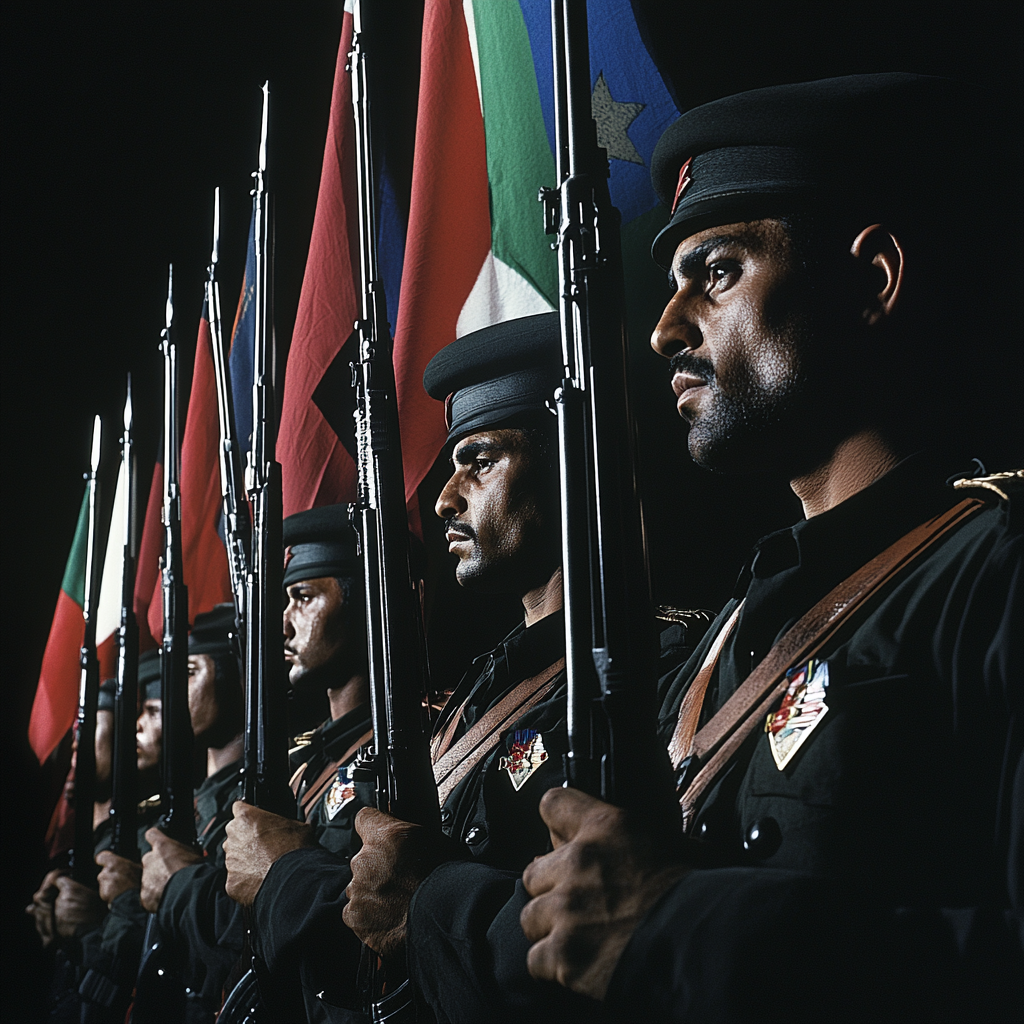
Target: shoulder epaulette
[(683, 616), (1003, 484), (149, 802)]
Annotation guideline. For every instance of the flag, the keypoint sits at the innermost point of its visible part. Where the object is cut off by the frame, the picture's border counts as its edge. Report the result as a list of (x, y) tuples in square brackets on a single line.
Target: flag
[(318, 402), (147, 563), (476, 253), (108, 610), (56, 700), (203, 557), (240, 359)]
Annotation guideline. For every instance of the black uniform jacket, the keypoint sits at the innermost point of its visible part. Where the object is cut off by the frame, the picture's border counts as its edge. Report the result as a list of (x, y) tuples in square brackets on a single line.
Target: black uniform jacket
[(110, 953), (301, 943), (878, 875), (202, 926), (467, 952)]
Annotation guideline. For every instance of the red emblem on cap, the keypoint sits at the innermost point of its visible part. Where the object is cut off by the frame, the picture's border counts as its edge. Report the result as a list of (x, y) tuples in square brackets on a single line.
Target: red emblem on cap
[(684, 183), (287, 555), (448, 411)]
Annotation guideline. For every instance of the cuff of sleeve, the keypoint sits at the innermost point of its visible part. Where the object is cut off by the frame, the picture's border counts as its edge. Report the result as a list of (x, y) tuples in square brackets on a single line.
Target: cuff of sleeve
[(177, 894)]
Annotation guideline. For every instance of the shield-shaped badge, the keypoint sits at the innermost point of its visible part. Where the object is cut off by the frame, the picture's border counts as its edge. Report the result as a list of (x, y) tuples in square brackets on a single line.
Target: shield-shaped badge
[(525, 756), (342, 791), (803, 707)]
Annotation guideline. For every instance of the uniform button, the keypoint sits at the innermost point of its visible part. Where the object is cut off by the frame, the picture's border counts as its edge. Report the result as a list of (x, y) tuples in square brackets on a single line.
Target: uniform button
[(475, 834), (763, 838), (703, 830)]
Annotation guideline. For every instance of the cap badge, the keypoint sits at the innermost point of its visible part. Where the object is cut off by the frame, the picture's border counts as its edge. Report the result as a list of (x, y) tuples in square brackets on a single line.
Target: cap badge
[(448, 411), (525, 756), (343, 791), (803, 707), (288, 555), (683, 184)]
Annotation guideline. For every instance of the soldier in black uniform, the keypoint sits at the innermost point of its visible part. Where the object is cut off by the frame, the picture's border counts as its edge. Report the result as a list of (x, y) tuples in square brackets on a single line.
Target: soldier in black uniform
[(101, 932), (202, 931), (499, 743), (296, 899), (854, 851)]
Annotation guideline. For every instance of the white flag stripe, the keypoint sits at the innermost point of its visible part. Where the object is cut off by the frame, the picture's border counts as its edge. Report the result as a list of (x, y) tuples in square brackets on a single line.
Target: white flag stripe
[(500, 294), (108, 614)]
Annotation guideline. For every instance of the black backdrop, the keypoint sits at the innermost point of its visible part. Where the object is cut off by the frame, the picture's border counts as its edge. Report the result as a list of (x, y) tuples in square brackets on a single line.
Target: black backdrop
[(118, 121)]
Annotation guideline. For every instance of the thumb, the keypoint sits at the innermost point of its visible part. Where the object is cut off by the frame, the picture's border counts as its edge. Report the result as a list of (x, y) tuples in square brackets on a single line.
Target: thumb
[(564, 811)]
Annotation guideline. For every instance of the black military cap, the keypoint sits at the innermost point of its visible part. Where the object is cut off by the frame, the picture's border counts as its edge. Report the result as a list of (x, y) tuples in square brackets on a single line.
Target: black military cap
[(871, 142), (108, 690), (149, 675), (213, 631), (320, 542), (497, 374)]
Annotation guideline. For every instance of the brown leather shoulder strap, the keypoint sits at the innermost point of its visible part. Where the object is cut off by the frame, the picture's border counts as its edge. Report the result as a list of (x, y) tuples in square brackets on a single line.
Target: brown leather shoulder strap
[(326, 777), (681, 745), (719, 740), (295, 782), (455, 764)]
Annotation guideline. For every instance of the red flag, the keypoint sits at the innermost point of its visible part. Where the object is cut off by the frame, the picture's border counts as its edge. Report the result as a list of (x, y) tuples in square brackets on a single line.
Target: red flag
[(204, 560), (449, 233), (147, 564), (316, 468)]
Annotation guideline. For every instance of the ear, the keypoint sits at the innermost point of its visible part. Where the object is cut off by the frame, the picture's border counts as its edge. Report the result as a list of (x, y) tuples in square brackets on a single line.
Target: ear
[(878, 247)]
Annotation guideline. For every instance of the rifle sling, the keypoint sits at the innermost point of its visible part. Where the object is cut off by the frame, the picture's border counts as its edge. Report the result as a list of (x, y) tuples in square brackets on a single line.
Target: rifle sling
[(451, 766), (325, 778), (745, 710)]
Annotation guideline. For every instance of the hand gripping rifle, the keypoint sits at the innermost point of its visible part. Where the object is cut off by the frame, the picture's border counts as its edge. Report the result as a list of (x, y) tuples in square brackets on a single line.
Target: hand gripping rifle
[(124, 793), (158, 996), (400, 760), (237, 527), (83, 867), (265, 761), (610, 641)]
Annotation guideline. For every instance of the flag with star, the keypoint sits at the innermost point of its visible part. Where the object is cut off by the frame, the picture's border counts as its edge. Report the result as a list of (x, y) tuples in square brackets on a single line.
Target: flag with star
[(476, 253)]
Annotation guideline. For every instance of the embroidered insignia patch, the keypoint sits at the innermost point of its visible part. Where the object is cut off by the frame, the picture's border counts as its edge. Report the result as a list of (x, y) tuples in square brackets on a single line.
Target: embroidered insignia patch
[(803, 707), (525, 756), (341, 792)]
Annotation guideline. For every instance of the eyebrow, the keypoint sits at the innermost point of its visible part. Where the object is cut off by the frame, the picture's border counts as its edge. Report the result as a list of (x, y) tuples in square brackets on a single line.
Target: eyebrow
[(690, 264), (468, 452)]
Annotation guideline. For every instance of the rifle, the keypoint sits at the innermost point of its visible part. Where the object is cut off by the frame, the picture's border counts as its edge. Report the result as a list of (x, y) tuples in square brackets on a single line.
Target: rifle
[(158, 994), (399, 759), (124, 794), (83, 867), (178, 813), (610, 642), (231, 483), (265, 760)]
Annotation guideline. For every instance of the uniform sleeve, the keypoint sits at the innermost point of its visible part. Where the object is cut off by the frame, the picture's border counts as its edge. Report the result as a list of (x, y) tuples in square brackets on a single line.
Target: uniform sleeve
[(298, 930), (110, 959), (757, 944), (467, 951), (205, 927)]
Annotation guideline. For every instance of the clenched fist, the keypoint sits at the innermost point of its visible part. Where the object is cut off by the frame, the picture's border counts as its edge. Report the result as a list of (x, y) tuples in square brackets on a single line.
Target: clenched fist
[(591, 892), (77, 907), (118, 875), (395, 858), (167, 857), (255, 839), (41, 909)]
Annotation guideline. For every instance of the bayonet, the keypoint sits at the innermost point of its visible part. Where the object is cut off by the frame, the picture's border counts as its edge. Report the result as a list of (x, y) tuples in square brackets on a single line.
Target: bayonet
[(124, 793), (83, 867)]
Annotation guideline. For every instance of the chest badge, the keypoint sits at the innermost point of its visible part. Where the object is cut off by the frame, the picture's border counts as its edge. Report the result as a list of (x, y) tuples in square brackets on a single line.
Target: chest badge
[(525, 756), (342, 791), (803, 707)]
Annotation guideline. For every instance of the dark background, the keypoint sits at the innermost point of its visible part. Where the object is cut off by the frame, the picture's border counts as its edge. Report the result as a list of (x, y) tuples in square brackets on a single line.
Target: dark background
[(119, 119)]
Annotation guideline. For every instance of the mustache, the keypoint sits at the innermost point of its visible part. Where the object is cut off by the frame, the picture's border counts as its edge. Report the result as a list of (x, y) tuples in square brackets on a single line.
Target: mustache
[(687, 362), (454, 523)]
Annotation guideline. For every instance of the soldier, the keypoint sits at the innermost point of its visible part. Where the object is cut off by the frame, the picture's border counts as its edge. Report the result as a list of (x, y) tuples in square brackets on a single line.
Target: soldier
[(201, 929), (499, 743), (847, 736), (296, 899)]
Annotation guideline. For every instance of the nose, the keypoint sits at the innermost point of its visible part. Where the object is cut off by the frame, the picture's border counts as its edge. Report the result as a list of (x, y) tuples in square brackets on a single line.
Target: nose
[(287, 628), (450, 501), (676, 330)]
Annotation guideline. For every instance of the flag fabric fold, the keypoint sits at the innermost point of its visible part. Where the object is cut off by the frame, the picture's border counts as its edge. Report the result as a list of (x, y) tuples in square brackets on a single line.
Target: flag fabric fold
[(204, 560), (56, 699), (147, 562)]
